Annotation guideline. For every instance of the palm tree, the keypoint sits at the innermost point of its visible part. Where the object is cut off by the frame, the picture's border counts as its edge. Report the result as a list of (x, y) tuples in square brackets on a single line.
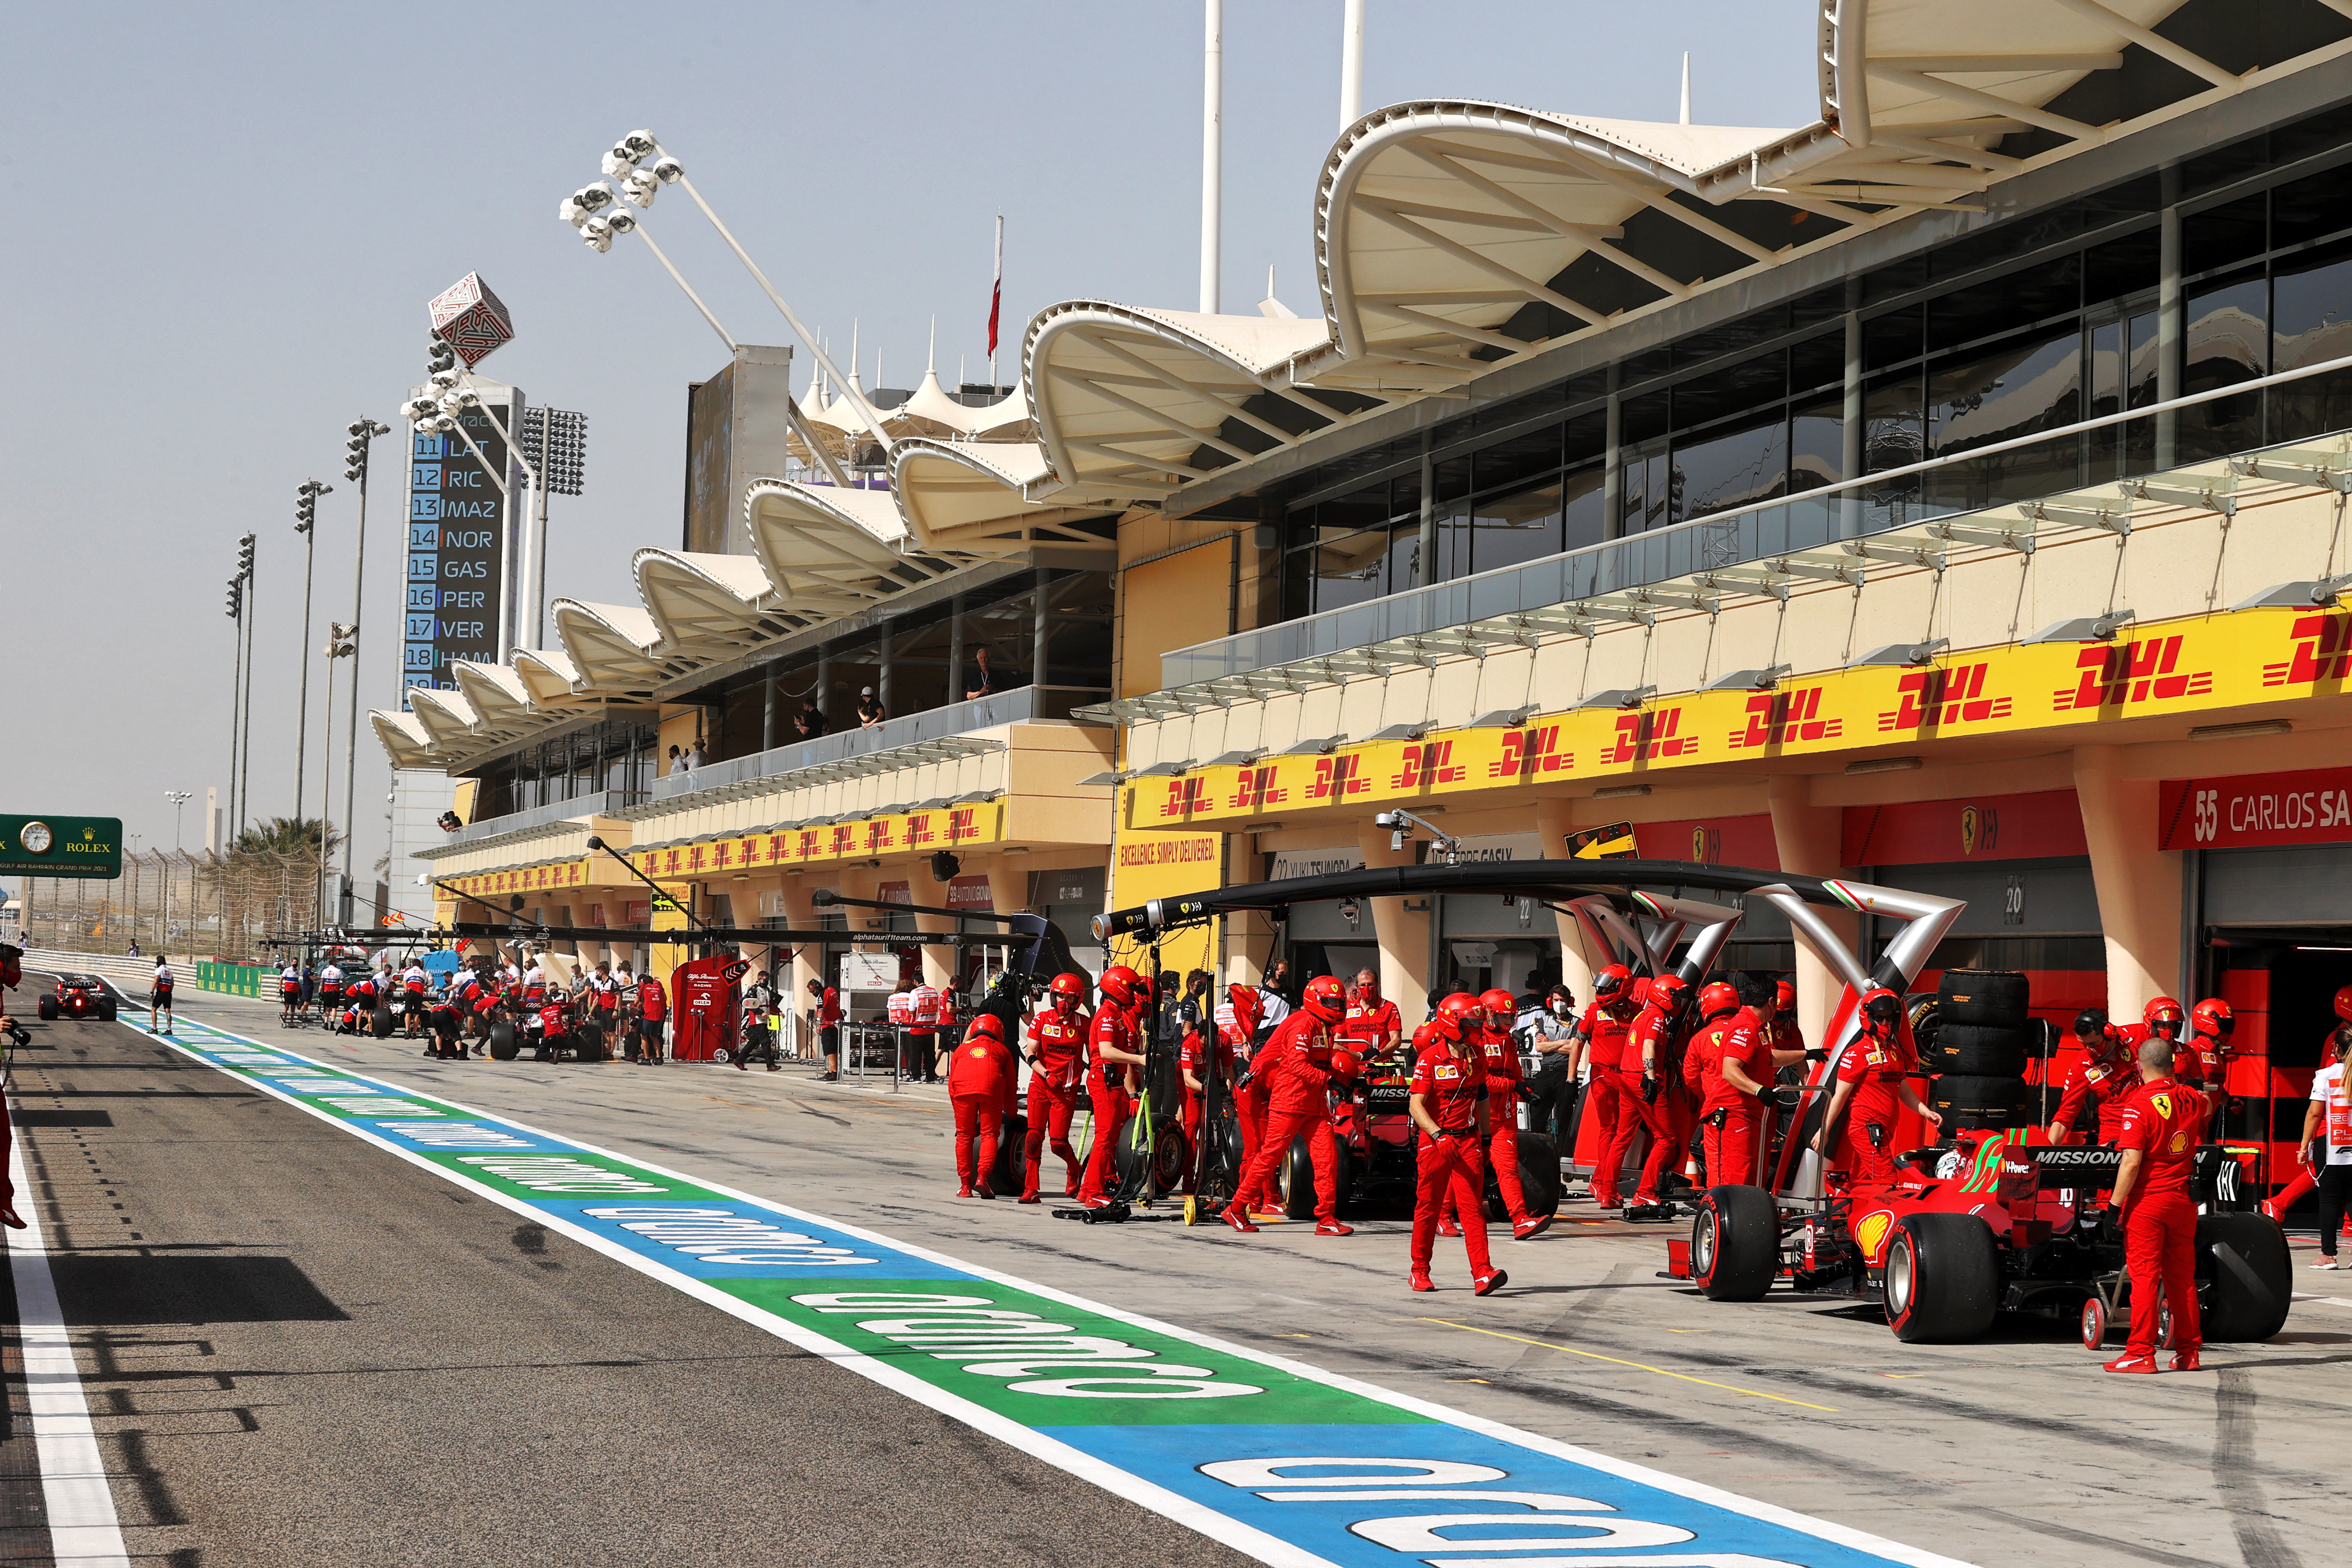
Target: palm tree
[(281, 836)]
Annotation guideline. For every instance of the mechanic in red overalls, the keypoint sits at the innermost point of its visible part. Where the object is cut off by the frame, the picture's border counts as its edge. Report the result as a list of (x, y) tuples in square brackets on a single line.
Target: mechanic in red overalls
[(1056, 1038), (1735, 1082), (1873, 1075), (1448, 1100), (1296, 1062), (1504, 1092), (2198, 1064), (2104, 1077), (1114, 1050), (1646, 1082), (1237, 1026), (652, 1014), (1781, 1030), (1602, 1031), (981, 1075), (2164, 1017), (1373, 1021), (2160, 1127), (1204, 1055)]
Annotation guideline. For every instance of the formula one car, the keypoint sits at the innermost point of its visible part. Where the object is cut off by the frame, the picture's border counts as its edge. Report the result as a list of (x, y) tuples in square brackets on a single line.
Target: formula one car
[(78, 997)]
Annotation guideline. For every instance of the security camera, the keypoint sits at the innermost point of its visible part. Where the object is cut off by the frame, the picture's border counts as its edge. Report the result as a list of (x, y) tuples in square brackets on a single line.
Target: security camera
[(424, 878), (669, 171)]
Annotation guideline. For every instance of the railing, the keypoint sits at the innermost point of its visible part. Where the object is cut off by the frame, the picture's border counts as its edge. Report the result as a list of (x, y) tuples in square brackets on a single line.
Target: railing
[(1851, 508), (1022, 703), (600, 803)]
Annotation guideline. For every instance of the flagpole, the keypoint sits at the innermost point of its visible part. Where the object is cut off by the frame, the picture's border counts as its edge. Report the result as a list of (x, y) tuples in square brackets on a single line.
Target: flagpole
[(995, 298)]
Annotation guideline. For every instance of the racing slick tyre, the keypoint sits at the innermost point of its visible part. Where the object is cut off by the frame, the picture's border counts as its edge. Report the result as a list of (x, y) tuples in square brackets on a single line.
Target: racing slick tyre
[(380, 1023), (1997, 1103), (2245, 1259), (1977, 1050), (1538, 1180), (1993, 996), (48, 1009), (503, 1044), (588, 1045), (1943, 1277), (1295, 1176), (1735, 1247), (106, 1010), (1012, 1167), (2095, 1322)]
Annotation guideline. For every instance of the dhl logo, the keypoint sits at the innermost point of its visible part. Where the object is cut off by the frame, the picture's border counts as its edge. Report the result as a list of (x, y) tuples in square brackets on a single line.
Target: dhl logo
[(845, 837), (1339, 777), (694, 858), (962, 824), (1185, 797), (2131, 672), (1526, 753), (2323, 651), (1932, 698), (812, 842), (673, 858), (1776, 718), (1428, 764), (1256, 788), (921, 830), (1647, 736), (776, 846), (723, 846), (878, 838)]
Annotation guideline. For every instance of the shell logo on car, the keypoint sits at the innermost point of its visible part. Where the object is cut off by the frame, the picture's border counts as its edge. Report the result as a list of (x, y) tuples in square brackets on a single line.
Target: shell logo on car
[(1870, 1234)]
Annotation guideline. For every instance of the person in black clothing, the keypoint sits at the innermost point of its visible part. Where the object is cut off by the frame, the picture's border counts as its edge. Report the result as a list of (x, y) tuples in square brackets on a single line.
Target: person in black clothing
[(869, 709), (809, 722), (991, 681), (759, 1038)]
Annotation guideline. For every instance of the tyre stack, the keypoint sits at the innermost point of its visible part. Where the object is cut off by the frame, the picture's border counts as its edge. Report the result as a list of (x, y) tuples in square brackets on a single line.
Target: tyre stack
[(1976, 1054)]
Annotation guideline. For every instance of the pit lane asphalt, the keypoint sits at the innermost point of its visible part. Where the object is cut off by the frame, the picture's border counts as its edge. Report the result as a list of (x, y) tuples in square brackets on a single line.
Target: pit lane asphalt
[(299, 1350), (2015, 1450)]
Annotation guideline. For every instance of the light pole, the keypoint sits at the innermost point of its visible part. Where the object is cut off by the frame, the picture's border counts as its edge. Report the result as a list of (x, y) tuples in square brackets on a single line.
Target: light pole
[(583, 209), (243, 607), (306, 521), (236, 682), (343, 642), (179, 799)]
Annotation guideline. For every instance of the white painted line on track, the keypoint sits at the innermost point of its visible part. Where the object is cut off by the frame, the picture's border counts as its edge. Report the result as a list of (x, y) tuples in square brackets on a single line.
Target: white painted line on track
[(83, 1530), (1122, 1482)]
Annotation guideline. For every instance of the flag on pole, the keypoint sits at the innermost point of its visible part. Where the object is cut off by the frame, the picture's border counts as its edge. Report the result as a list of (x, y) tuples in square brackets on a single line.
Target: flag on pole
[(996, 297)]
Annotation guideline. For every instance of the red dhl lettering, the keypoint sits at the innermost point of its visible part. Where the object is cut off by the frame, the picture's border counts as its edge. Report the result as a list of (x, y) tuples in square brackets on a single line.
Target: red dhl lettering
[(1647, 736), (1428, 764), (960, 824), (2130, 672), (1776, 718), (1255, 788), (845, 837), (1526, 753), (1932, 698), (1185, 797), (1337, 777), (673, 858), (2323, 651), (776, 846)]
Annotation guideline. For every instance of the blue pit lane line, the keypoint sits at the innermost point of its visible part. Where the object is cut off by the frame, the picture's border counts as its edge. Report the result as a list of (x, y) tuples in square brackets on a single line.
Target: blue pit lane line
[(1286, 1462)]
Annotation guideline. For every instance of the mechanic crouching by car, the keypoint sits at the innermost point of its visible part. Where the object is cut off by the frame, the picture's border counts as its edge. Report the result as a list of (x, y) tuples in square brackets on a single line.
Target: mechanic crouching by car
[(1448, 1101), (1296, 1062), (2158, 1129), (2103, 1080), (1874, 1077)]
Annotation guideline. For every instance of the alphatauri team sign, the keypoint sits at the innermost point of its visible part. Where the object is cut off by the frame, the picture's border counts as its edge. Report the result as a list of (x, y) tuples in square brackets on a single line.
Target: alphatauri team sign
[(1282, 1461)]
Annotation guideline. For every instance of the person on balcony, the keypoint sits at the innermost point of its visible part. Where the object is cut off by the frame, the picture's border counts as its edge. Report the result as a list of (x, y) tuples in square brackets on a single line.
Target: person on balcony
[(991, 681), (869, 709), (809, 722)]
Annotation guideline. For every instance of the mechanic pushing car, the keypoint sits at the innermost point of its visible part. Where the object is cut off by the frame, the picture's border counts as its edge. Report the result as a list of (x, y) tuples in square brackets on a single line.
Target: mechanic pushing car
[(1874, 1078), (1602, 1034), (2158, 1129), (1296, 1063), (1114, 1052), (1056, 1038), (1449, 1103), (2102, 1078)]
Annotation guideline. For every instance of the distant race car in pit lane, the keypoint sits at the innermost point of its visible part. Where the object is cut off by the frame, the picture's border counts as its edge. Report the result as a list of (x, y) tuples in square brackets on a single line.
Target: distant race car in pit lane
[(78, 997)]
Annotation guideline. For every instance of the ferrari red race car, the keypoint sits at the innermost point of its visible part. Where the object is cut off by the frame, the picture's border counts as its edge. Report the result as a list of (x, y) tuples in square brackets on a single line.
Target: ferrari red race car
[(78, 997)]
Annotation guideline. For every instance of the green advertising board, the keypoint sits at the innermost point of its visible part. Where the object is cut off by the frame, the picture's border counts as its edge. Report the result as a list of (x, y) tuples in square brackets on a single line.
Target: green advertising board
[(61, 845)]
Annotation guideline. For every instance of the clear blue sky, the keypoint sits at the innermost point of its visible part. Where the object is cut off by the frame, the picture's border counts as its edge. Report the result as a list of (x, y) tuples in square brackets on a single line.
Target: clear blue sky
[(223, 223)]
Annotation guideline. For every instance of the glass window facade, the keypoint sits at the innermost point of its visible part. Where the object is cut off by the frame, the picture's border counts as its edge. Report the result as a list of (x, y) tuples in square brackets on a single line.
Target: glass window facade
[(2026, 333)]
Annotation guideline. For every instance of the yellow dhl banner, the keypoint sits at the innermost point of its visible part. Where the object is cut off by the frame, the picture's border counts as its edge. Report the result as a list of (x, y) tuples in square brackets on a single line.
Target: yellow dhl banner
[(554, 877), (2195, 663), (869, 838)]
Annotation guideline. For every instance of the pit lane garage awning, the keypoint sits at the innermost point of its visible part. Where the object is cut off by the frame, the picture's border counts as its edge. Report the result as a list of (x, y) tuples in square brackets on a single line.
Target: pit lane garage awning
[(970, 497), (403, 739), (503, 710), (610, 645), (1455, 235)]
